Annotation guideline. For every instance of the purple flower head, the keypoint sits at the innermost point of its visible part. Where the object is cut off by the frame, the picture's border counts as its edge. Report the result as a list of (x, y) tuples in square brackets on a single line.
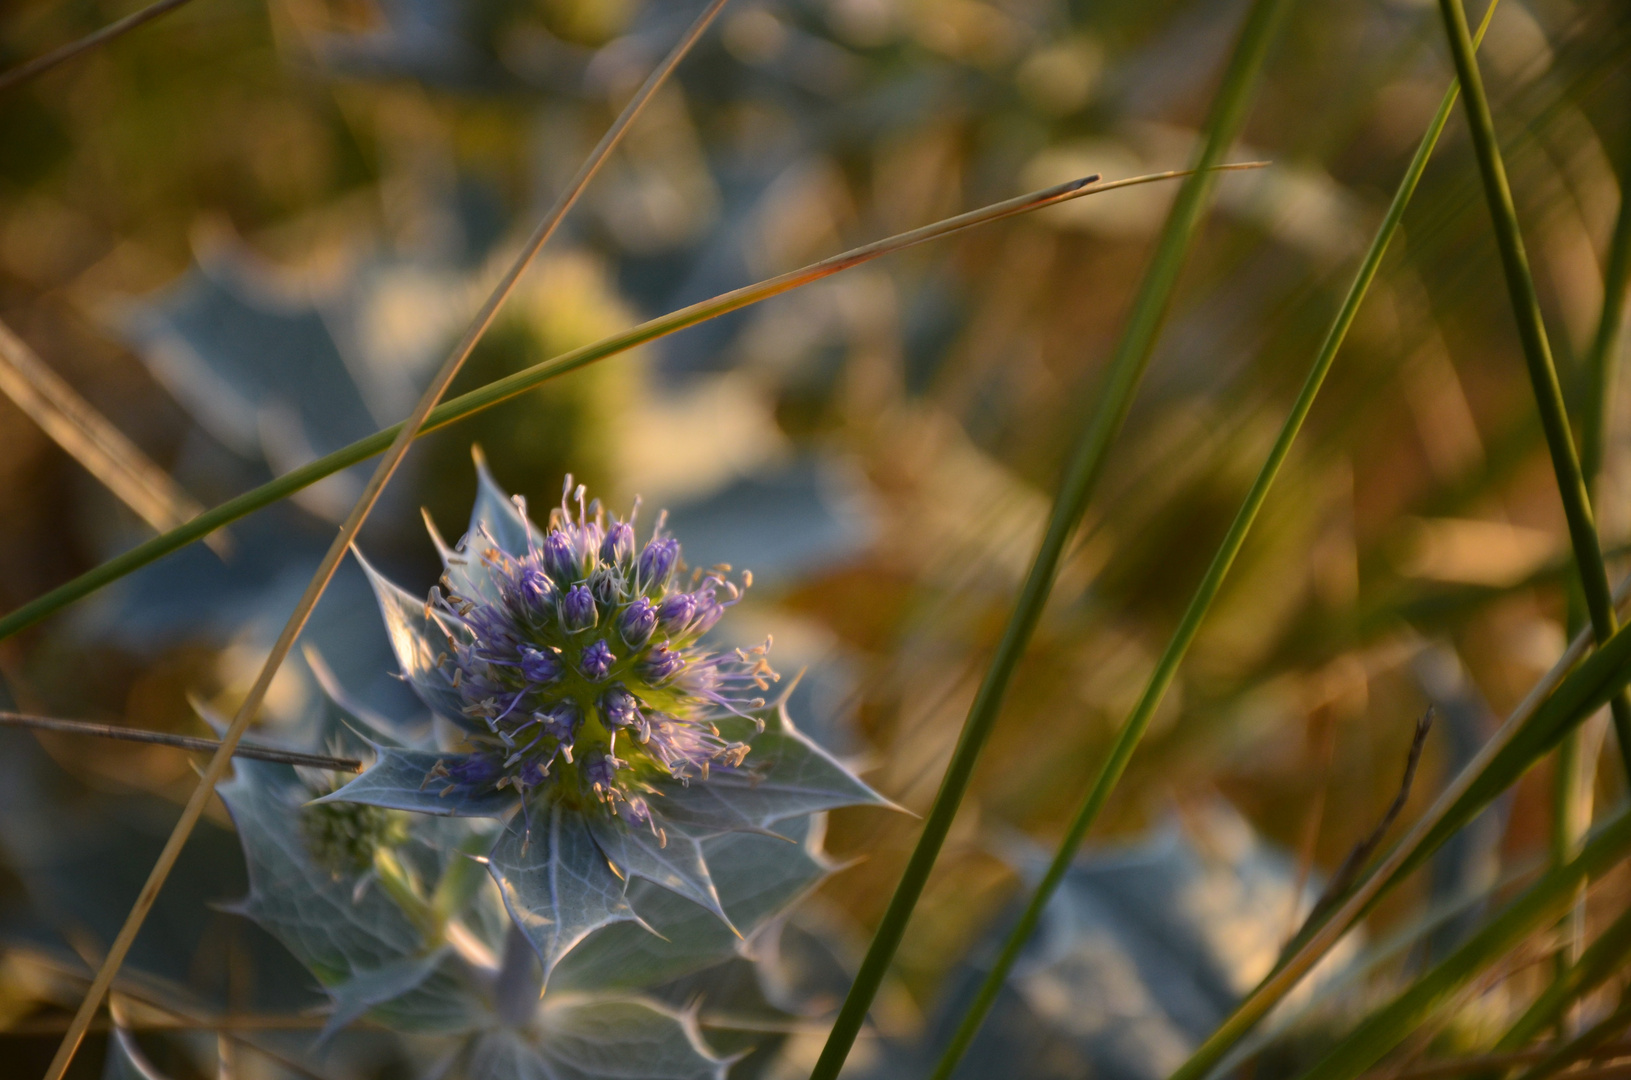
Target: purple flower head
[(661, 664), (584, 623), (560, 721), (597, 660), (539, 665), (618, 547), (578, 609), (657, 561), (559, 557), (619, 708), (637, 622), (676, 612)]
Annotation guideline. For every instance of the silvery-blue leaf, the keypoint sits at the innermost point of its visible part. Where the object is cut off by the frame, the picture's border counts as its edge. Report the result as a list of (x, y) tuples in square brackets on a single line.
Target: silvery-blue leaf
[(230, 345), (335, 928), (409, 780), (495, 516), (556, 883), (125, 1060), (598, 1040), (677, 866), (420, 642), (758, 878), (465, 572), (785, 775), (367, 989)]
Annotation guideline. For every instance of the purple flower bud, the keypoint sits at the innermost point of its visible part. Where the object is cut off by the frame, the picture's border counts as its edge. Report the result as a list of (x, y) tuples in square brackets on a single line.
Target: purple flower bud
[(578, 609), (661, 663), (600, 770), (560, 557), (539, 665), (676, 612), (657, 561), (619, 708), (597, 660), (533, 590), (475, 772), (532, 773), (560, 720), (618, 547), (637, 622)]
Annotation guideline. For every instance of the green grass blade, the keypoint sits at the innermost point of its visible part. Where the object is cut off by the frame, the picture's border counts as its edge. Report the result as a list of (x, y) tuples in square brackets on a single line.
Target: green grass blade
[(1605, 957), (510, 386), (1600, 358), (1554, 706), (1085, 465), (1583, 1045), (1542, 904), (1137, 722), (1537, 350)]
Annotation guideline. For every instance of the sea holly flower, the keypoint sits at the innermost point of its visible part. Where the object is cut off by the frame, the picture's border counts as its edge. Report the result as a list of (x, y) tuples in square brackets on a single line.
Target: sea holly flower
[(593, 718)]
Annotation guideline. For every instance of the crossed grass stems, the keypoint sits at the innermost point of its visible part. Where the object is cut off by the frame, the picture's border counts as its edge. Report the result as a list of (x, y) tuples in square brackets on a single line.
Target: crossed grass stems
[(1556, 705)]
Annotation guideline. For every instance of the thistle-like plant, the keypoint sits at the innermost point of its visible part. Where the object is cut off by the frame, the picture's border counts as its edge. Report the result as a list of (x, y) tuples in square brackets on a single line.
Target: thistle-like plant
[(655, 809)]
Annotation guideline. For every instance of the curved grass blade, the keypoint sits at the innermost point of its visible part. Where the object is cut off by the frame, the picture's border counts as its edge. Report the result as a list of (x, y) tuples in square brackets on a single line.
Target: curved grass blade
[(1082, 472), (1537, 351), (1540, 905), (405, 433), (1137, 722), (502, 390)]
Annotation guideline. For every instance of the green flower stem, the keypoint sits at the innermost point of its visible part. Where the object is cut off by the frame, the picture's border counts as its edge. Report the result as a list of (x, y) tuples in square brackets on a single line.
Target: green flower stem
[(1082, 473), (1604, 959), (403, 888), (1540, 905), (1570, 691), (1133, 728), (510, 386), (1537, 351)]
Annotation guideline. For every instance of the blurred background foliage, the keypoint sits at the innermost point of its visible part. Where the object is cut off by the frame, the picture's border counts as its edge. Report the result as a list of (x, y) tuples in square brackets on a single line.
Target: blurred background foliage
[(247, 232)]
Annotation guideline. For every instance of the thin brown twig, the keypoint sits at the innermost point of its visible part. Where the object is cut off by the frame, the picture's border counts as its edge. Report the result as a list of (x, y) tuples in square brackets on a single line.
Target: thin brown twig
[(1349, 870), (182, 742), (383, 472), (41, 64)]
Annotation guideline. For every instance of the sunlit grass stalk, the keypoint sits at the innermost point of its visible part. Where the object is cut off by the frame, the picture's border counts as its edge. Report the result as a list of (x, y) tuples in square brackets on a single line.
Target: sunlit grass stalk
[(1082, 472), (501, 390), (1537, 350), (215, 771), (1137, 723), (1539, 905), (1571, 690)]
